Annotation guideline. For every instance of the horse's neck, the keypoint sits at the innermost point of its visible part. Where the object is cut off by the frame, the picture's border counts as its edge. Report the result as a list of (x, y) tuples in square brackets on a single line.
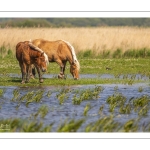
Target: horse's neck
[(33, 54), (71, 60)]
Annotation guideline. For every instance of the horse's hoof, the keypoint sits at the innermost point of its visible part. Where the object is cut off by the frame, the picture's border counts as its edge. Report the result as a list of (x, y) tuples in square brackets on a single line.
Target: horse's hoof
[(32, 77), (41, 80), (61, 76), (22, 82), (75, 78)]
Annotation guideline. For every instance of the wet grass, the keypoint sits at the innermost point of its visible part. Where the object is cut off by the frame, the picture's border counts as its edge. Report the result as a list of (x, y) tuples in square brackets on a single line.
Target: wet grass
[(89, 94), (119, 102), (15, 81), (33, 96), (116, 104)]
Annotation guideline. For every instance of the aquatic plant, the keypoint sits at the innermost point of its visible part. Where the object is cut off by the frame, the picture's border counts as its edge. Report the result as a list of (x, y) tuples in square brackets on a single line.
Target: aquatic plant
[(130, 126), (125, 109), (32, 127), (16, 95), (143, 111), (86, 109), (48, 94), (33, 97), (87, 94), (141, 101), (76, 100), (71, 126), (43, 110), (63, 95), (117, 98), (104, 124), (140, 89), (1, 92), (29, 97), (101, 110)]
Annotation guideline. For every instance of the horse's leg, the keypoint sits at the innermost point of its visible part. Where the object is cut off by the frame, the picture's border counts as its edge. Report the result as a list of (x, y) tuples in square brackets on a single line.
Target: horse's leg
[(32, 71), (40, 75), (28, 73), (62, 68), (21, 66), (61, 74), (23, 70)]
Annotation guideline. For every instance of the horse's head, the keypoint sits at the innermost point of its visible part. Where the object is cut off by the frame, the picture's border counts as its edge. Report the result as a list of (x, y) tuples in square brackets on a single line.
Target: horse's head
[(74, 70), (42, 61)]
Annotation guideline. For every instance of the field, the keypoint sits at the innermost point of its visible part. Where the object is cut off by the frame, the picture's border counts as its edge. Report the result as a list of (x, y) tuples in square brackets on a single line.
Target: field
[(112, 94), (83, 39)]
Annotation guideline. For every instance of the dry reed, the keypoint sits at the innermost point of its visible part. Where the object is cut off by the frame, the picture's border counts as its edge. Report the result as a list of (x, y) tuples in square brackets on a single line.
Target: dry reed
[(97, 39)]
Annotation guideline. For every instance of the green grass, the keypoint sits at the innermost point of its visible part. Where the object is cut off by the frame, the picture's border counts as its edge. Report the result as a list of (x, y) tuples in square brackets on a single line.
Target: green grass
[(117, 66), (118, 53)]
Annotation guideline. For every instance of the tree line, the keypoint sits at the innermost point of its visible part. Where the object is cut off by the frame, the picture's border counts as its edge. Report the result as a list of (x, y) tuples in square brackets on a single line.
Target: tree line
[(73, 22)]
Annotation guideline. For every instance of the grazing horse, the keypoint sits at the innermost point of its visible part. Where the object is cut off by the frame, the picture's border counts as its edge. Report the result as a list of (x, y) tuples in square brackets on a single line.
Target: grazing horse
[(27, 57), (60, 52)]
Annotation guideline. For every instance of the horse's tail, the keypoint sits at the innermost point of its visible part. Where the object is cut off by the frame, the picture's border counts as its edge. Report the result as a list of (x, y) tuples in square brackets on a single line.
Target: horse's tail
[(40, 50), (75, 60)]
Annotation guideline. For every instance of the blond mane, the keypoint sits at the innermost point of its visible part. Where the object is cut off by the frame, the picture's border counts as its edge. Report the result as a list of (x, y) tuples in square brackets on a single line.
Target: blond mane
[(75, 60)]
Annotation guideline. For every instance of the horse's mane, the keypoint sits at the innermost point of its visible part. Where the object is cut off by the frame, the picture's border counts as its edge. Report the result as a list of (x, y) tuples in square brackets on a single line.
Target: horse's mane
[(39, 50), (75, 60)]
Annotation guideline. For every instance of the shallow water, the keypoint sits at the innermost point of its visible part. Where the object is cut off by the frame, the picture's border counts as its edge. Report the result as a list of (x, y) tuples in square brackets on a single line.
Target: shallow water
[(58, 113), (102, 76)]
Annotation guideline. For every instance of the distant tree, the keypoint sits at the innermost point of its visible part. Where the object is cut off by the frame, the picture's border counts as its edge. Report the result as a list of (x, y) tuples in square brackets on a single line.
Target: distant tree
[(73, 22)]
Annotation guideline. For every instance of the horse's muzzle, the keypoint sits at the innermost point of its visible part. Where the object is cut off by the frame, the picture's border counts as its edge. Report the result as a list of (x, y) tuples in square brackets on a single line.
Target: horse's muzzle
[(76, 78), (43, 70)]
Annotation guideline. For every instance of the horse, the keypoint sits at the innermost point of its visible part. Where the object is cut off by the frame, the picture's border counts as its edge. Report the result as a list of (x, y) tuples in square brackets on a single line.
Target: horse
[(28, 57), (59, 51)]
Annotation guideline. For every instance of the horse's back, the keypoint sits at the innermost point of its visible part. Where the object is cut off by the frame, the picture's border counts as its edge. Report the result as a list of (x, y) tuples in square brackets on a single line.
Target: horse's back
[(45, 44), (54, 49)]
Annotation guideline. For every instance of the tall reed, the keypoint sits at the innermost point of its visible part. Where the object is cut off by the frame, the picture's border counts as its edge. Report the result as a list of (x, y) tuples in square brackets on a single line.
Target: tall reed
[(97, 39)]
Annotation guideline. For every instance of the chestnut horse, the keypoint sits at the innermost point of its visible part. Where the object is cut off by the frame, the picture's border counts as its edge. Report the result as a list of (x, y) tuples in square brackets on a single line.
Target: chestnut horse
[(28, 56), (60, 52)]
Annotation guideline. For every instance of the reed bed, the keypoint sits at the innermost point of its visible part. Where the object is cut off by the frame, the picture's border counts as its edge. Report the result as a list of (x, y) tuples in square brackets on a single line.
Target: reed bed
[(97, 39)]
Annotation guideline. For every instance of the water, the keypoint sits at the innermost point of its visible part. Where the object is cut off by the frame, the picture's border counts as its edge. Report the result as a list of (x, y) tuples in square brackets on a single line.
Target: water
[(102, 76), (58, 113)]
